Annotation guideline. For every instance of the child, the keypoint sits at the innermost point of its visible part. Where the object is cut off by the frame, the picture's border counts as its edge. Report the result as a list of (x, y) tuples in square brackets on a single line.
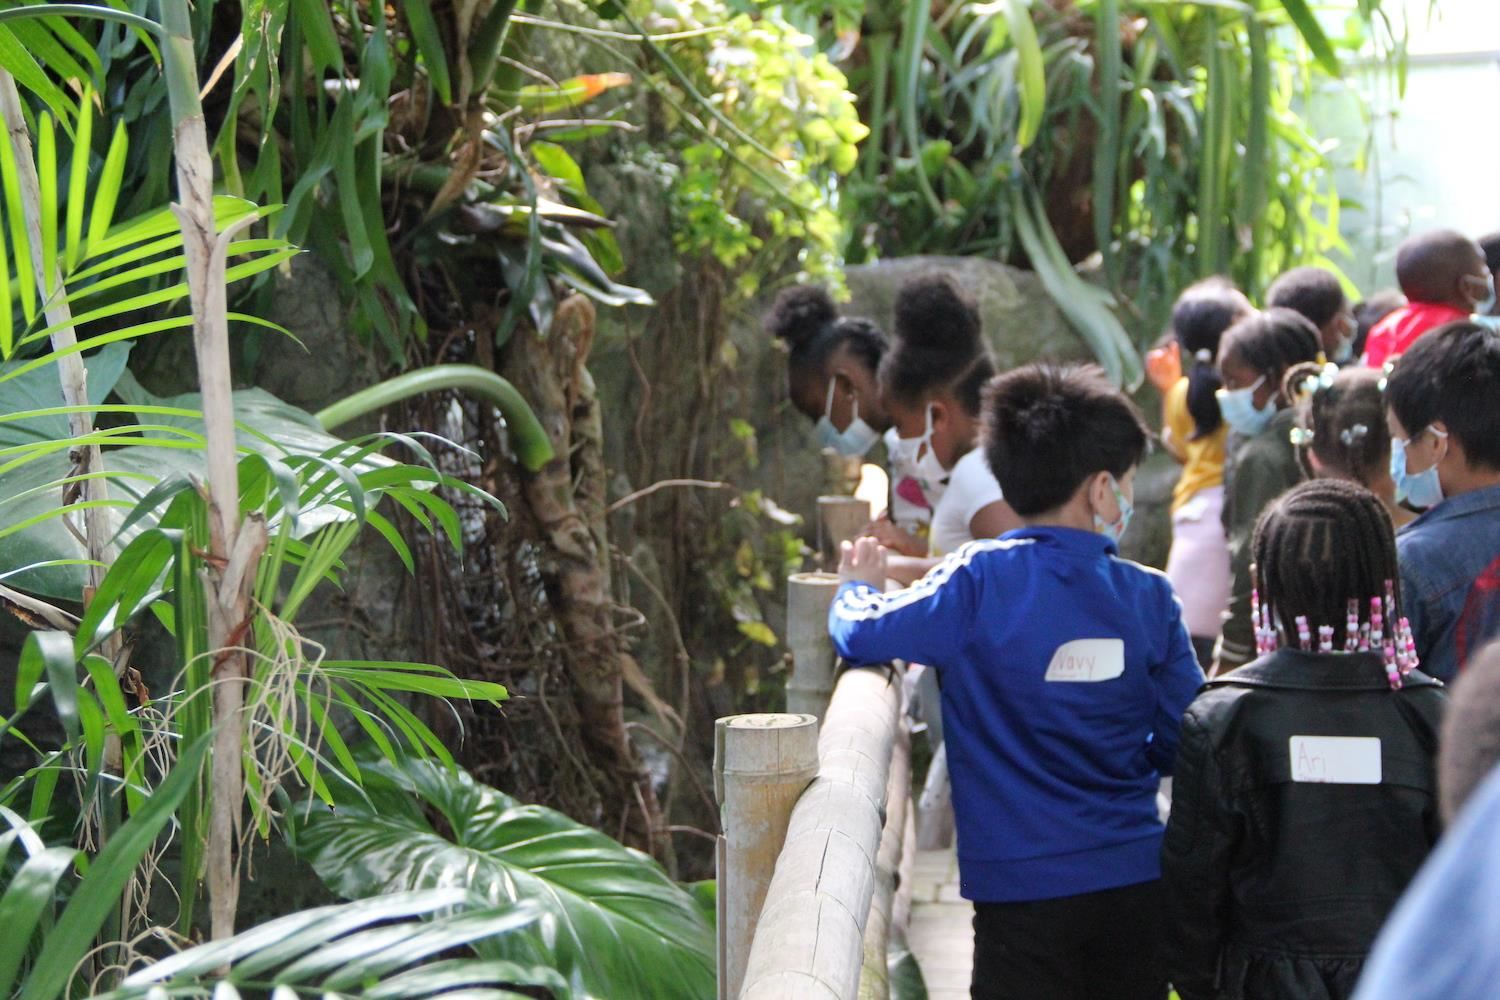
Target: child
[(1444, 277), (930, 382), (830, 373), (1371, 311), (1317, 294), (1253, 358), (1341, 431), (1065, 670), (1459, 888), (1306, 796), (1194, 432), (1443, 410)]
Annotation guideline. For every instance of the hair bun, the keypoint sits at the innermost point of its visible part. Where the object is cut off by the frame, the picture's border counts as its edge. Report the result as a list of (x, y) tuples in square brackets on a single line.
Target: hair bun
[(934, 314), (799, 314)]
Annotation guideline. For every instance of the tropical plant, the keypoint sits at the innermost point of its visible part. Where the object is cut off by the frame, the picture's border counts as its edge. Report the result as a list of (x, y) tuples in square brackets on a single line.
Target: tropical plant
[(611, 920), (1166, 137), (45, 940)]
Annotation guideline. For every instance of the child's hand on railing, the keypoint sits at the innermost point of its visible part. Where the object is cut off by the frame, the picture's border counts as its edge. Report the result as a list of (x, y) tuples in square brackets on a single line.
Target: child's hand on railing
[(887, 534), (862, 561)]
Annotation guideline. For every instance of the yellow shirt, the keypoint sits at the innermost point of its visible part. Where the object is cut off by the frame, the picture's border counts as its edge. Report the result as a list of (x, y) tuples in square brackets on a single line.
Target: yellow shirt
[(1203, 464)]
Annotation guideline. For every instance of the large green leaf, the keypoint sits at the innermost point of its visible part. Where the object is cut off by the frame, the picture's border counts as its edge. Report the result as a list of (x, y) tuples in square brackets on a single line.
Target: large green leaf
[(381, 948), (617, 924), (39, 389)]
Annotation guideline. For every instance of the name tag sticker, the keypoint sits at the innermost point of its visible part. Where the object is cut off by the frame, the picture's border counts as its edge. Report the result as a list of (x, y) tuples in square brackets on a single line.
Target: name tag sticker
[(1337, 760), (1087, 660)]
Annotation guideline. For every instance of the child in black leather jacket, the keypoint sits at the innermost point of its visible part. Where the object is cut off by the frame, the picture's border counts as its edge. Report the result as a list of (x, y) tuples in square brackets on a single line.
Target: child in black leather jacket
[(1305, 796)]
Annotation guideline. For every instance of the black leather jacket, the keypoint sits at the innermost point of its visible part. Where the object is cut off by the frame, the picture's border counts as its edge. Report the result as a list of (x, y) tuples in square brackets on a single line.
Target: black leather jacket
[(1277, 883)]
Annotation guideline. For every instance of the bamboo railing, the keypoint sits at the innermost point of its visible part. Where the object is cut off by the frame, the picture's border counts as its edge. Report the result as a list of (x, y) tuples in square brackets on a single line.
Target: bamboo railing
[(840, 836)]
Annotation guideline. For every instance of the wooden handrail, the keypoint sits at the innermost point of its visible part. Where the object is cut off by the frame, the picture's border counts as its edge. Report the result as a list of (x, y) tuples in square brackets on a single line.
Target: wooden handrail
[(809, 941)]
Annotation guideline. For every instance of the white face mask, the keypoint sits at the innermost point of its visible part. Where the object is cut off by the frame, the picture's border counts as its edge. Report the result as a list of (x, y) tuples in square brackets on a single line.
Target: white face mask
[(1115, 530), (916, 455), (854, 440), (1240, 413)]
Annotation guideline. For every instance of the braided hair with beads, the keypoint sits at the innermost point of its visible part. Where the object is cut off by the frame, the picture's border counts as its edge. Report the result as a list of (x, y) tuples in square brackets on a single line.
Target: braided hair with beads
[(1325, 557)]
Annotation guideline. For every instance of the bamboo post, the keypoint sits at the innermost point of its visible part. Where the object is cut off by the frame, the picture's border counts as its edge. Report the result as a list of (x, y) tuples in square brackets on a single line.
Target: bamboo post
[(761, 765), (840, 519), (808, 597), (810, 939), (874, 978)]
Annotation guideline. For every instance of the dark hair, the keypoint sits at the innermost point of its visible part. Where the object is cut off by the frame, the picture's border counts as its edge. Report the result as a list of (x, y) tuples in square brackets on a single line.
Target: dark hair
[(1470, 742), (805, 318), (1371, 311), (1320, 545), (1429, 265), (1489, 244), (1452, 374), (937, 345), (1271, 342), (1200, 316), (1048, 428), (1311, 291), (1345, 414)]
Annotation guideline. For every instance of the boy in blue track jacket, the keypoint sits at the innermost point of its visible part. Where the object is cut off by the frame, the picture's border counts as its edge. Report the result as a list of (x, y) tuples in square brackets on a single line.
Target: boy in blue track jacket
[(1065, 671)]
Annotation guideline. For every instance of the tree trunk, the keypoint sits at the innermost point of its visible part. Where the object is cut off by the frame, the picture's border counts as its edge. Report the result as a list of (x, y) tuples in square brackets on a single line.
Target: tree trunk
[(229, 570), (563, 508)]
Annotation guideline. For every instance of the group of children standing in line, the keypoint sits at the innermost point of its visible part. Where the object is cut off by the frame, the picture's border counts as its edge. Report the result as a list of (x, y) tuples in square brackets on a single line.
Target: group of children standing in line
[(1072, 681)]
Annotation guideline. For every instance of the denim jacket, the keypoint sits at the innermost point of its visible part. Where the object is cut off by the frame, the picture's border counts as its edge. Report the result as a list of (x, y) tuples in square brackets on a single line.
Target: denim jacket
[(1442, 553)]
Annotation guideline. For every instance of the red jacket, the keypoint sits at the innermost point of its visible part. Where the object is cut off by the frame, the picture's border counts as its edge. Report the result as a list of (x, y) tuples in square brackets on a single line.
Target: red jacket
[(1393, 335)]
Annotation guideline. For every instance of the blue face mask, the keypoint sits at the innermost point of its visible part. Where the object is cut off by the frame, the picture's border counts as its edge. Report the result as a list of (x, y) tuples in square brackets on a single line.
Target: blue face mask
[(1240, 412), (852, 441), (1116, 530), (1422, 490)]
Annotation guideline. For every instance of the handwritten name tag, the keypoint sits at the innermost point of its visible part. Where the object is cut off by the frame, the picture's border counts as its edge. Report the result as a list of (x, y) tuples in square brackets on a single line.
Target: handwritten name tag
[(1086, 660), (1338, 760)]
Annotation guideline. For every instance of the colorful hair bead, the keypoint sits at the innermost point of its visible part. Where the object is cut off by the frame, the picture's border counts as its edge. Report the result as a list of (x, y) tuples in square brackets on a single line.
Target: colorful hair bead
[(1325, 638), (1266, 640), (1351, 638), (1392, 668), (1304, 634)]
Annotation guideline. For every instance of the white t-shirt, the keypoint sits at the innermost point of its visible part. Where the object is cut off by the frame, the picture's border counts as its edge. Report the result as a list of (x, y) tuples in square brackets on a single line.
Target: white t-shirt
[(971, 488)]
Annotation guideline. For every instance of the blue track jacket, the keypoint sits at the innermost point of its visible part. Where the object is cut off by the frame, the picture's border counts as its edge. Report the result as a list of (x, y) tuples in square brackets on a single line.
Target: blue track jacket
[(1065, 672)]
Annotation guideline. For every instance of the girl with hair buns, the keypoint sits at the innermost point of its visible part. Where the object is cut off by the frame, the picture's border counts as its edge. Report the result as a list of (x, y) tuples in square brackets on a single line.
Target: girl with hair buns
[(1341, 431), (1194, 432), (930, 382), (1305, 795), (831, 378)]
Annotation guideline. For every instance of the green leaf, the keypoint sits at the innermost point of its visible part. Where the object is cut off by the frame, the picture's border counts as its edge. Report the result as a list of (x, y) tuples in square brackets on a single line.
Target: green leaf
[(1033, 72), (380, 949), (99, 892), (615, 922), (1312, 33), (757, 632), (424, 31), (78, 179), (50, 654), (107, 191), (30, 893)]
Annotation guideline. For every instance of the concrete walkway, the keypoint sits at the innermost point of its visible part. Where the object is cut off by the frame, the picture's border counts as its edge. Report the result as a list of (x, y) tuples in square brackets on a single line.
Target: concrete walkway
[(942, 928)]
